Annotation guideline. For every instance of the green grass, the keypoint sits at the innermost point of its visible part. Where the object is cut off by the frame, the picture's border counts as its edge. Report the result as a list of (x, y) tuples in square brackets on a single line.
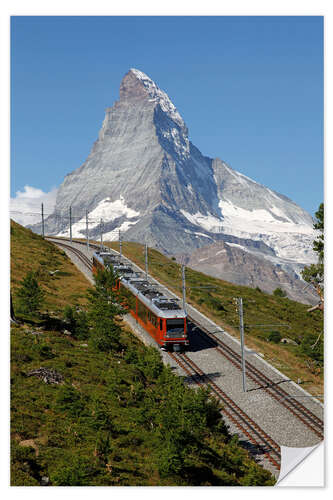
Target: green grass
[(30, 252)]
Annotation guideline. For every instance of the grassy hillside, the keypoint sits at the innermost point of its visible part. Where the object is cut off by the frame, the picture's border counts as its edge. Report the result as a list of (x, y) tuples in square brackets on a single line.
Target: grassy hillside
[(217, 302), (116, 418), (29, 252)]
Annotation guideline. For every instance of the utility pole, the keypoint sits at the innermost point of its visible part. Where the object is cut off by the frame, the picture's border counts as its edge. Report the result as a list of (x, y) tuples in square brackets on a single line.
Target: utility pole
[(120, 245), (43, 234), (146, 260), (241, 330), (101, 226), (70, 223), (87, 230), (184, 288)]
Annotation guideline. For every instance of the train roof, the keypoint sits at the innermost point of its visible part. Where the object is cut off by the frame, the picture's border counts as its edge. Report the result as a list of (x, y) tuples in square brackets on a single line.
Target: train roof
[(147, 292)]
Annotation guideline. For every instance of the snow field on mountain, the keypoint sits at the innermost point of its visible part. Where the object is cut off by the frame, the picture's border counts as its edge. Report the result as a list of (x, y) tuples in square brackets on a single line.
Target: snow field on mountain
[(108, 211)]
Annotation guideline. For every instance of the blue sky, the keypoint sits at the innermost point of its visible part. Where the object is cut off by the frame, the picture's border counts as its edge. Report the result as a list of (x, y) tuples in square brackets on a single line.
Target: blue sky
[(250, 90)]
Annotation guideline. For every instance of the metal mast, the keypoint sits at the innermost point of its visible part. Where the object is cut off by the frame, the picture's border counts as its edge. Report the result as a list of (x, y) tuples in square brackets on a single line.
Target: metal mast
[(101, 227), (146, 260), (70, 223), (184, 288), (43, 234), (87, 230), (241, 331)]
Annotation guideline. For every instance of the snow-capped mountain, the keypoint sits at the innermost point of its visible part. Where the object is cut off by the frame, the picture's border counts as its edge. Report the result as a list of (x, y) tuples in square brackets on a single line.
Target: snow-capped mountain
[(145, 178)]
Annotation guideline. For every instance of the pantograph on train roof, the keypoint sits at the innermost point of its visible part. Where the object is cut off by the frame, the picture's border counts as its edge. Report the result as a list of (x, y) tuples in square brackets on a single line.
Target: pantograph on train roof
[(135, 279)]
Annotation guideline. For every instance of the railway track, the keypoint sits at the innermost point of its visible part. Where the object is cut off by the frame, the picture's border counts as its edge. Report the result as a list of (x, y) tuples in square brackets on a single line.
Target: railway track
[(83, 258), (261, 441), (306, 416)]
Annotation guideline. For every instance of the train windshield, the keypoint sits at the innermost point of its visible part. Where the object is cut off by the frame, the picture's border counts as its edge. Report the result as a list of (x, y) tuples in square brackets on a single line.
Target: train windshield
[(175, 325)]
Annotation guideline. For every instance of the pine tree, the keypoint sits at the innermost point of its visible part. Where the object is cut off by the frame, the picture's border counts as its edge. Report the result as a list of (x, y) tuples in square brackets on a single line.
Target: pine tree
[(30, 295), (104, 312), (278, 292), (314, 274)]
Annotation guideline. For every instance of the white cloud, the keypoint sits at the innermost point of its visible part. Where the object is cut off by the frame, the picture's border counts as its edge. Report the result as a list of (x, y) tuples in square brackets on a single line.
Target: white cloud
[(25, 208)]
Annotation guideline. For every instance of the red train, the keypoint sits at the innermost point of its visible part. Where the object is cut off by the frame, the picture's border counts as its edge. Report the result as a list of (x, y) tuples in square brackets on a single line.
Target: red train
[(159, 315)]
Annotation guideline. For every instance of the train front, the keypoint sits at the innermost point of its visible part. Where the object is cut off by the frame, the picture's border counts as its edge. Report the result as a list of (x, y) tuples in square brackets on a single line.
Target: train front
[(173, 326)]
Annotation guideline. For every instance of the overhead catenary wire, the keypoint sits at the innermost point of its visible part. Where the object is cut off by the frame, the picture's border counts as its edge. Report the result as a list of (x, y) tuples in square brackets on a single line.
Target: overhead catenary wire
[(85, 220)]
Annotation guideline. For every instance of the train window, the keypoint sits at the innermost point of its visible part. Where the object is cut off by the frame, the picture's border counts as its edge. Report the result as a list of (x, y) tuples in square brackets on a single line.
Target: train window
[(152, 318), (176, 324), (161, 324), (142, 311)]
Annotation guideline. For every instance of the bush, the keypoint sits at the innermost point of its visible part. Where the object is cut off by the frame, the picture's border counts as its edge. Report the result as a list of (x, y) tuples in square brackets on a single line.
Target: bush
[(25, 470), (274, 337), (30, 295), (278, 292), (313, 347), (78, 471), (77, 322), (69, 400), (44, 351), (170, 460)]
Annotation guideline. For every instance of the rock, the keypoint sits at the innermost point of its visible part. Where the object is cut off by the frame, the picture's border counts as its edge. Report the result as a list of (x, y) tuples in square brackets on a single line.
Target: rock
[(67, 332), (83, 345), (288, 341), (47, 375), (45, 481), (31, 443)]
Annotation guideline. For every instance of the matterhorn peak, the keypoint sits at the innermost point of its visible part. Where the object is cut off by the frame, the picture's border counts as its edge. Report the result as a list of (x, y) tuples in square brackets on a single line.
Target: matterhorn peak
[(136, 84)]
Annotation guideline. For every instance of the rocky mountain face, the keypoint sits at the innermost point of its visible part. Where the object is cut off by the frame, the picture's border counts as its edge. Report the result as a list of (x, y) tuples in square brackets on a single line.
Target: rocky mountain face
[(144, 177), (231, 263)]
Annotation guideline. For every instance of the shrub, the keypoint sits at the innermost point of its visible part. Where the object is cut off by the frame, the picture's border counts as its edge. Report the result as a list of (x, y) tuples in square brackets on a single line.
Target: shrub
[(25, 471), (77, 322), (278, 292), (44, 351), (274, 337), (69, 400), (30, 295), (170, 460), (77, 471), (313, 347)]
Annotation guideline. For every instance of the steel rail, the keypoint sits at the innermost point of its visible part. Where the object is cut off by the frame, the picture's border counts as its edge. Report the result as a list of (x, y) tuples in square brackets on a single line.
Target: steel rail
[(256, 435), (306, 416), (80, 255)]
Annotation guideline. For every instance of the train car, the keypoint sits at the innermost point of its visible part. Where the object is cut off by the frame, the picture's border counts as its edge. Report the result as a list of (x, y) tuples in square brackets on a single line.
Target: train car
[(160, 316), (104, 259)]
